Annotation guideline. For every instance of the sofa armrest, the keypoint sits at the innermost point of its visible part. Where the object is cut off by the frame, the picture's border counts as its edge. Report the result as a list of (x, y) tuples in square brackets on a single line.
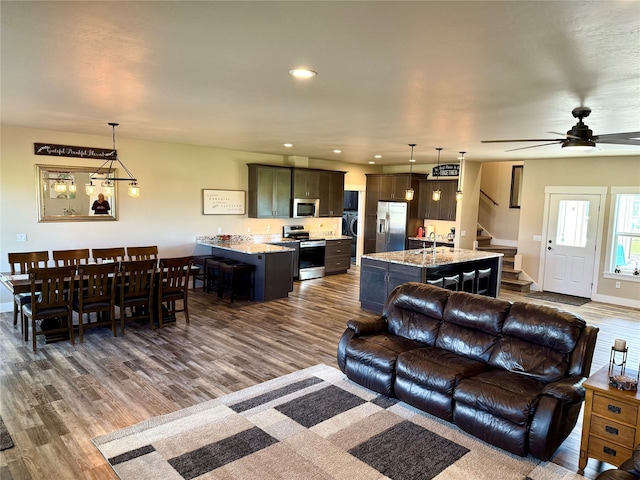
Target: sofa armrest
[(367, 325), (568, 390)]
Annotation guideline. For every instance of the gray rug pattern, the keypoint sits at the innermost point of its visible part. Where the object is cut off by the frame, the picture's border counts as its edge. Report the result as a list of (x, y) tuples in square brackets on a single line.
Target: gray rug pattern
[(5, 438), (559, 298), (313, 424)]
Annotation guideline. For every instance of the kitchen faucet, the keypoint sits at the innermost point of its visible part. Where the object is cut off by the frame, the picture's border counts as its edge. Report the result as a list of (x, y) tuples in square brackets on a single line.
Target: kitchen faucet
[(432, 237)]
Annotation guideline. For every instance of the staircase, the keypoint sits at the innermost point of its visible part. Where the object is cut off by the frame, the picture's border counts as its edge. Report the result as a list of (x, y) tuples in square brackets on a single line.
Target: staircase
[(510, 276)]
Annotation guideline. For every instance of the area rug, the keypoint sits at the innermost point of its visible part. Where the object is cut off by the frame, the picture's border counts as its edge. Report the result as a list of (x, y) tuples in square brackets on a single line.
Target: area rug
[(313, 424), (559, 298), (5, 439)]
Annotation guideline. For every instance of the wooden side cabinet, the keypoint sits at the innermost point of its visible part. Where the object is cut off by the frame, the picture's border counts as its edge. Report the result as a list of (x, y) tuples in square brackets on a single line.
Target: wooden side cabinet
[(269, 191), (337, 256), (611, 424)]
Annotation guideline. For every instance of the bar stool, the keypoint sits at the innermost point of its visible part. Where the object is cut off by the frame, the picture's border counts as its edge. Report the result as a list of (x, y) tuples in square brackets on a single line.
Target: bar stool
[(212, 272), (237, 277), (451, 282), (483, 280), (468, 283), (199, 261)]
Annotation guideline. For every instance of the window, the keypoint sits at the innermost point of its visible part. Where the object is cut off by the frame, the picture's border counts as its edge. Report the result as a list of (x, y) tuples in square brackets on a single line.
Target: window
[(625, 254)]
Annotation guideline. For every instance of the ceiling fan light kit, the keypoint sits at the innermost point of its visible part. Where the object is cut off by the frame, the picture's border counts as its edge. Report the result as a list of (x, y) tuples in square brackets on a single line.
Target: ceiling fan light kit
[(580, 137)]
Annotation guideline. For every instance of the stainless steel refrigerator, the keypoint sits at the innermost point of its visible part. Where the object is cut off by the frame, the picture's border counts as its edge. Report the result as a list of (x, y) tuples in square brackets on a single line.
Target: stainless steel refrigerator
[(391, 226)]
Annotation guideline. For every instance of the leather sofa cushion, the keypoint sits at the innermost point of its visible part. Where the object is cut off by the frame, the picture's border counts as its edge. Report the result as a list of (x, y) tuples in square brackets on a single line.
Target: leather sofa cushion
[(546, 326), (436, 369), (485, 314), (504, 394), (379, 351), (414, 310)]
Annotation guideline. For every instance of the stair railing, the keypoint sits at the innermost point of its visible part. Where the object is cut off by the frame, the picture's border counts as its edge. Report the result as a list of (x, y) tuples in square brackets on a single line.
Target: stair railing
[(495, 204)]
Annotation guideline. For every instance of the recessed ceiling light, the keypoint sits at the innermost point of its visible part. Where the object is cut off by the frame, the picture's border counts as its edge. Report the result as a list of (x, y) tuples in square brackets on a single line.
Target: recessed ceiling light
[(372, 163), (337, 151), (377, 156), (302, 73), (288, 145)]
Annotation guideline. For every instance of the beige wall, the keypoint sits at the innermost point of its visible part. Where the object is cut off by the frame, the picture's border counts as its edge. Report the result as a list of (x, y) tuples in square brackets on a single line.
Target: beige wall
[(500, 221), (168, 212), (584, 171)]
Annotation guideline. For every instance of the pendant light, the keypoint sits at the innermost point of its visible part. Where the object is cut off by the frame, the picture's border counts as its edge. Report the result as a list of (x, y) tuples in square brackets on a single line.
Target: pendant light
[(108, 175), (408, 193), (437, 193), (459, 191)]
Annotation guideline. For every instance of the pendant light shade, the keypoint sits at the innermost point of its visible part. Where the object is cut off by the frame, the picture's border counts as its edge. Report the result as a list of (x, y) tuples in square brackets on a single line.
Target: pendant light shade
[(409, 192), (459, 191), (90, 189), (435, 196)]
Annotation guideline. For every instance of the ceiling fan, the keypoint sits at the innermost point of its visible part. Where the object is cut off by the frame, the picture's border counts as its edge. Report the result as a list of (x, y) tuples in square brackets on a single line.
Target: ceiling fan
[(580, 137)]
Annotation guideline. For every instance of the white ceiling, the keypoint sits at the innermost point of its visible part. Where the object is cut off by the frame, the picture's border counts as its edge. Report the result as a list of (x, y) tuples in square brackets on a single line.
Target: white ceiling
[(440, 74)]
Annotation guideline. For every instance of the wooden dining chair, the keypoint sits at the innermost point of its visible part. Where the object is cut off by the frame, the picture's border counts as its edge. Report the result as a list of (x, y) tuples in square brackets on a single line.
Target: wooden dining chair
[(21, 263), (50, 309), (142, 253), (173, 286), (102, 255), (136, 291), (96, 293), (71, 257)]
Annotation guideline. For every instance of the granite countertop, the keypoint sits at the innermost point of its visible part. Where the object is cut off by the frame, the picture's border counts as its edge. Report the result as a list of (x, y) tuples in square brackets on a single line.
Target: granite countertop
[(439, 241), (328, 236), (248, 248), (423, 257)]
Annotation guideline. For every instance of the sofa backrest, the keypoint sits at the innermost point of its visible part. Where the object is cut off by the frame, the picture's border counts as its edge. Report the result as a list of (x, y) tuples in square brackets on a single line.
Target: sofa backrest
[(414, 310), (472, 325), (537, 340)]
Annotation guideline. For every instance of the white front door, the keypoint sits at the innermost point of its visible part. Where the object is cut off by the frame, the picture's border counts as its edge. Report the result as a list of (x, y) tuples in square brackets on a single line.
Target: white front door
[(571, 244)]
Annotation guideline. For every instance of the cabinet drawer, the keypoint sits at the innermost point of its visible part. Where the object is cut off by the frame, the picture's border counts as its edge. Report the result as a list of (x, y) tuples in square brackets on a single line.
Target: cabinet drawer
[(615, 410), (608, 451), (613, 431)]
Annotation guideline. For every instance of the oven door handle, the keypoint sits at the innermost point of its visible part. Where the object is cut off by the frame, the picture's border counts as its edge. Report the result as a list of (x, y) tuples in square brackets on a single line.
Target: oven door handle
[(313, 243)]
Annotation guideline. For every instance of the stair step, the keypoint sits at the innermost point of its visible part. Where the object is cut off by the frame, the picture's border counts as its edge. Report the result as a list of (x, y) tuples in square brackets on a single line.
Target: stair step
[(499, 249), (483, 238), (516, 285), (511, 270)]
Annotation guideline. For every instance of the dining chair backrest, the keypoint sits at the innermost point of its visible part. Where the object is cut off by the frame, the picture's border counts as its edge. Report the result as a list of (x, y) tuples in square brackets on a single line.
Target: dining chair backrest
[(175, 272), (71, 257), (98, 282), (142, 253), (23, 261), (100, 255), (137, 277), (50, 288)]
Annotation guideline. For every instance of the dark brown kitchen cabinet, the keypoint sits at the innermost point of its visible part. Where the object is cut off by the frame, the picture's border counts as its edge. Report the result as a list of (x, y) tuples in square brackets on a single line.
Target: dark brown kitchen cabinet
[(269, 193), (337, 256), (331, 193), (445, 208), (306, 183)]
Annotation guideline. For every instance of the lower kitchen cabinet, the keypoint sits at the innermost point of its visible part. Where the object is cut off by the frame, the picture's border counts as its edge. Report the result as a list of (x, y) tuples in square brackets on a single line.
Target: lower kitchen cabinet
[(337, 256), (379, 278)]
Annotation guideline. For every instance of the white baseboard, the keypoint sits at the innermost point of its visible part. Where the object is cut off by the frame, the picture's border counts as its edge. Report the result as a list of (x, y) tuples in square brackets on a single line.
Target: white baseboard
[(623, 302)]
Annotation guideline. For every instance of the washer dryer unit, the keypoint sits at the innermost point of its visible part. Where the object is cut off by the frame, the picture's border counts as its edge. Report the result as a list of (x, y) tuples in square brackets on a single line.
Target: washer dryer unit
[(350, 228)]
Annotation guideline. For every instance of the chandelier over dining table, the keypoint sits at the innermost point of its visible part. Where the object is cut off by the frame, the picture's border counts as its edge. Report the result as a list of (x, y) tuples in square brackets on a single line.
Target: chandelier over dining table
[(108, 174)]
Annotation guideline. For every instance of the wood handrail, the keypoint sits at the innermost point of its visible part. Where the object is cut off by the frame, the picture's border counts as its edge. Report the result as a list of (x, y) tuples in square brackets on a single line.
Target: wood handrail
[(495, 204)]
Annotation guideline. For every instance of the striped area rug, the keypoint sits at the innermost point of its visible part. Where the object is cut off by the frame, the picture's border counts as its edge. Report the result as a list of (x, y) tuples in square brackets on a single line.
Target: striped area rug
[(311, 424)]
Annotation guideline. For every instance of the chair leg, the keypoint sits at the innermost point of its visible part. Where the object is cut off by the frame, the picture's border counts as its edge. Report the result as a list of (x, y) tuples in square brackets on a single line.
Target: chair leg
[(15, 312), (186, 308), (70, 327), (33, 333)]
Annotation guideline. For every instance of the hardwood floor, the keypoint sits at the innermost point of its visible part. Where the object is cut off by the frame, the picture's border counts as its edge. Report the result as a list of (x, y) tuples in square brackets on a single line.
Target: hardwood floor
[(54, 401)]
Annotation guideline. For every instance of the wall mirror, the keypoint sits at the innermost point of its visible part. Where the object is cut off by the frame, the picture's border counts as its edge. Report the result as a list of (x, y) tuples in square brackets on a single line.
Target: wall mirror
[(516, 186), (62, 196)]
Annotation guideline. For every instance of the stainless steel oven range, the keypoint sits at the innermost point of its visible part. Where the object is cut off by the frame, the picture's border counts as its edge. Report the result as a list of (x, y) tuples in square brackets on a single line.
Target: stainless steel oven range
[(311, 258)]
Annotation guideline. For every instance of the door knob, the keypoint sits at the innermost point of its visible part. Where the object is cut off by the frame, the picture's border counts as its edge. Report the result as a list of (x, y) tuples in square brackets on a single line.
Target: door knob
[(549, 248)]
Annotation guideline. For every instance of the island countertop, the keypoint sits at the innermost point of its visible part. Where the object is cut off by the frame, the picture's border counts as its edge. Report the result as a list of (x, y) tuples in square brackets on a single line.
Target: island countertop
[(246, 248), (423, 257)]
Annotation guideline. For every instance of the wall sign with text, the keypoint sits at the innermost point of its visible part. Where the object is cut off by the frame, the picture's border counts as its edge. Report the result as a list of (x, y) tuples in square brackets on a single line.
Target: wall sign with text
[(223, 202), (53, 150), (449, 170)]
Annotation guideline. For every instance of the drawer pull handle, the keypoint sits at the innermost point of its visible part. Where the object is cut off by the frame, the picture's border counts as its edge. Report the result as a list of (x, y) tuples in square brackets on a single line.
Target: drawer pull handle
[(611, 430), (613, 408), (609, 451)]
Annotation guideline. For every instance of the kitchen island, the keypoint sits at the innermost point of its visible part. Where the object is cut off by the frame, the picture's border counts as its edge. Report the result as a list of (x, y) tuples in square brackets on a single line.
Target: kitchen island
[(273, 277), (380, 273)]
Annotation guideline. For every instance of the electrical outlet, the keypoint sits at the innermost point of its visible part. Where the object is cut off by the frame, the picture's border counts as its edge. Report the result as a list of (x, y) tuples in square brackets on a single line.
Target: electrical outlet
[(617, 284), (21, 237), (248, 229), (219, 230), (463, 233)]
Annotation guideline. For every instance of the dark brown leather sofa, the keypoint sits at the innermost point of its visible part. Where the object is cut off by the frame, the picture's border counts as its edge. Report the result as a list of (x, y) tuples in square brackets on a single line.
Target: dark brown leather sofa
[(508, 373)]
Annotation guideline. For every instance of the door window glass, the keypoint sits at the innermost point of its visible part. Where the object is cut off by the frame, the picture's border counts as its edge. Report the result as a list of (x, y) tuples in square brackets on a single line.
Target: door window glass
[(626, 235), (573, 220)]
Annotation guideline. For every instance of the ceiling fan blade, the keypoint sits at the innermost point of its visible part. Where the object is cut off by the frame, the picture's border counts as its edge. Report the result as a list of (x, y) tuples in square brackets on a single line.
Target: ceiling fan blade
[(567, 135), (630, 138), (536, 146), (526, 140)]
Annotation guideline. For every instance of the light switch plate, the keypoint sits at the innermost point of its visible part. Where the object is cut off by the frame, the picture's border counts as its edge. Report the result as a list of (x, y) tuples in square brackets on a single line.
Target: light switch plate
[(21, 237)]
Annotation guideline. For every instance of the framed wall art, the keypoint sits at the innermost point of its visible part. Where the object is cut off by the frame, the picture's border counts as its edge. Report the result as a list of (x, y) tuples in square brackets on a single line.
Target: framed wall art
[(223, 202)]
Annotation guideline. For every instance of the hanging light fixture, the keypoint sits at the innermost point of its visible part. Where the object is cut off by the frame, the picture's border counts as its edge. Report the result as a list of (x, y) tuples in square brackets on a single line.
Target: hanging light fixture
[(60, 185), (437, 193), (108, 175), (459, 191), (409, 192)]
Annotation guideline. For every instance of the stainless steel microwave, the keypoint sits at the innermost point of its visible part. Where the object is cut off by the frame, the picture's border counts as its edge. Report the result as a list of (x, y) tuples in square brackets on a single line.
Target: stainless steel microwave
[(306, 207)]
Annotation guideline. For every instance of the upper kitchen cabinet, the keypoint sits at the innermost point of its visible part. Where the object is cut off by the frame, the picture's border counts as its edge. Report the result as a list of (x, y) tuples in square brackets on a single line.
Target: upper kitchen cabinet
[(269, 191), (331, 193), (306, 183), (445, 208)]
